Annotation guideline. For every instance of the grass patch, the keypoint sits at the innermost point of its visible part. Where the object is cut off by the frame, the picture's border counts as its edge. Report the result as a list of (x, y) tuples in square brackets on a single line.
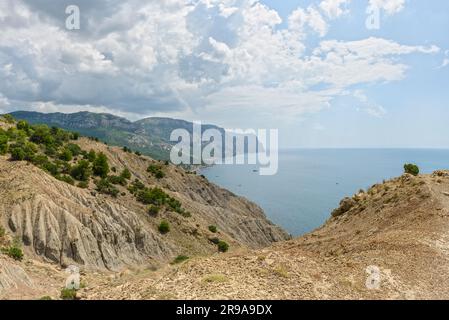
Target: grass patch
[(215, 278), (281, 271), (179, 259), (68, 294)]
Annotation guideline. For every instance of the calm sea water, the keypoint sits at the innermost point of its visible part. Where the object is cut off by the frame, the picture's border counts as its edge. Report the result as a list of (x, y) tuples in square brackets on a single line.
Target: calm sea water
[(311, 183)]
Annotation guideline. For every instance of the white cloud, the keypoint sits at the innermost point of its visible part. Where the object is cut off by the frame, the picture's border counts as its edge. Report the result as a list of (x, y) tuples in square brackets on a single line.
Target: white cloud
[(177, 57), (311, 17), (333, 8), (4, 103), (376, 111), (445, 63), (372, 109), (390, 6)]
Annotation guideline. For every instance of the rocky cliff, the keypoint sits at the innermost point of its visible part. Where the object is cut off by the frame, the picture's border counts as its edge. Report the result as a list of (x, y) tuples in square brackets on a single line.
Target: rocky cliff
[(64, 224)]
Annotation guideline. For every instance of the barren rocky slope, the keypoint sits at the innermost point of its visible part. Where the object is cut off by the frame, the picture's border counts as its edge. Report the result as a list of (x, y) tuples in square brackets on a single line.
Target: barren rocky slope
[(400, 227)]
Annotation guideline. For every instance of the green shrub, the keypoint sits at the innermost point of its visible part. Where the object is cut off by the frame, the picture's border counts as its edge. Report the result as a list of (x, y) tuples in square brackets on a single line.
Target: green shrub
[(75, 136), (222, 246), (91, 156), (138, 153), (105, 187), (50, 151), (66, 155), (3, 143), (63, 166), (101, 166), (159, 175), (68, 294), (156, 170), (51, 168), (8, 118), (126, 174), (117, 180), (74, 149), (154, 196), (23, 125), (17, 154), (164, 227), (179, 259), (2, 232), (213, 229), (45, 298), (66, 178), (174, 205), (184, 213), (214, 240), (41, 134), (81, 171), (39, 160), (14, 252), (153, 210), (83, 184), (411, 169), (136, 186)]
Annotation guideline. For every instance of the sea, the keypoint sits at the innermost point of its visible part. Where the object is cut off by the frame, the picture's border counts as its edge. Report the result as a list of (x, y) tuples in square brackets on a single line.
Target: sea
[(311, 182)]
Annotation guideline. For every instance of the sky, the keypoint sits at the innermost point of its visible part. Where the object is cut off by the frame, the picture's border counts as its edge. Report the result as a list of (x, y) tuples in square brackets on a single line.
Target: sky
[(315, 70)]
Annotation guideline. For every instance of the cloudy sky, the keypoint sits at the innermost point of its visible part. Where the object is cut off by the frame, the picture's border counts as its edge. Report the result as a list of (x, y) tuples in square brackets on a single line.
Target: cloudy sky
[(312, 69)]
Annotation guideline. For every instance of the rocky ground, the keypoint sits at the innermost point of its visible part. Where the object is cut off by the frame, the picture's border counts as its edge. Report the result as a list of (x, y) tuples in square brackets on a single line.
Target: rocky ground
[(399, 227)]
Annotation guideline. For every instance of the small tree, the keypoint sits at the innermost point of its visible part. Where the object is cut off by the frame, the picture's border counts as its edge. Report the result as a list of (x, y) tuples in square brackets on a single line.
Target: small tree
[(66, 155), (91, 156), (213, 229), (126, 174), (3, 143), (105, 187), (17, 154), (8, 118), (164, 227), (222, 246), (411, 169), (74, 149), (101, 166), (81, 171)]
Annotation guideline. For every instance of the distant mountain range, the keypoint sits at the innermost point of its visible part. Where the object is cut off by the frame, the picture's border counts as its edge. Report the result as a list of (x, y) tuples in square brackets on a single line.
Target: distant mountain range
[(149, 136)]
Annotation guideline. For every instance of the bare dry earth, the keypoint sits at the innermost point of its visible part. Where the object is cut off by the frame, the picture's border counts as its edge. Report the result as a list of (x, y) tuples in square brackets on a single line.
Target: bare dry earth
[(400, 226)]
